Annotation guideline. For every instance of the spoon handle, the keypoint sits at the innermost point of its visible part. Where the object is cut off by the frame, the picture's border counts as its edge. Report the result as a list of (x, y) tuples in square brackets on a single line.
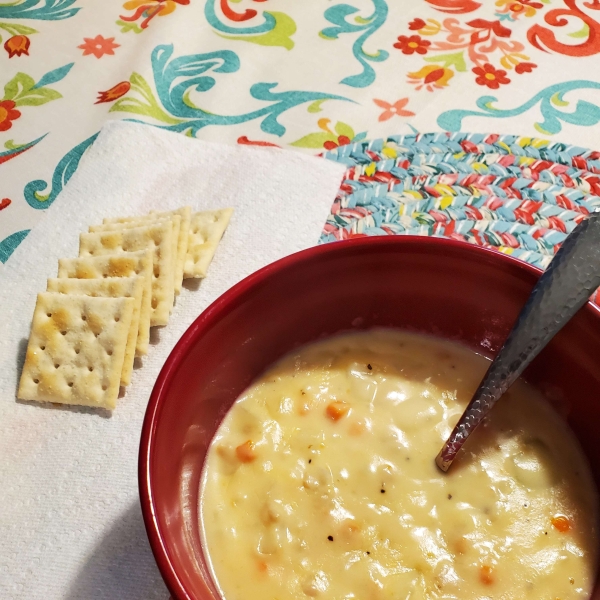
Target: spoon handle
[(561, 291)]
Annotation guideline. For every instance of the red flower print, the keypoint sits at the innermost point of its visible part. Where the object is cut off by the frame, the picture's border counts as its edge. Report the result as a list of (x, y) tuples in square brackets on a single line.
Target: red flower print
[(391, 110), (490, 76), (244, 141), (416, 24), (341, 141), (98, 46), (485, 27), (115, 92), (17, 45), (525, 67), (8, 114), (412, 44), (4, 203)]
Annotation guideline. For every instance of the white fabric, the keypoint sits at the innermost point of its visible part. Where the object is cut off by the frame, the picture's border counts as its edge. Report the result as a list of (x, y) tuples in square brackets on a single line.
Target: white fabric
[(70, 523)]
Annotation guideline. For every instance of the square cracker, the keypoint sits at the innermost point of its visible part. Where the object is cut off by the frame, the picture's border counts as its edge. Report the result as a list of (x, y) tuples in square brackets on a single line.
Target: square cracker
[(127, 264), (206, 230), (185, 212), (158, 237), (111, 287), (76, 350), (149, 220)]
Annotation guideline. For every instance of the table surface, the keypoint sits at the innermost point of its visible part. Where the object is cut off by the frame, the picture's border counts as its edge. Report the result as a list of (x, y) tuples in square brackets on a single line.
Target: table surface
[(304, 75)]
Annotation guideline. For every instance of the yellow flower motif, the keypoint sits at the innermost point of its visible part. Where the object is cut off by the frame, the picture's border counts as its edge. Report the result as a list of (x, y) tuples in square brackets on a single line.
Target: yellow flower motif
[(519, 7), (431, 76), (158, 7), (148, 9)]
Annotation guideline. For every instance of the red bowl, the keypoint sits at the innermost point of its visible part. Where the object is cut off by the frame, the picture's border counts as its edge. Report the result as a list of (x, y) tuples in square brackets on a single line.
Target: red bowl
[(437, 286)]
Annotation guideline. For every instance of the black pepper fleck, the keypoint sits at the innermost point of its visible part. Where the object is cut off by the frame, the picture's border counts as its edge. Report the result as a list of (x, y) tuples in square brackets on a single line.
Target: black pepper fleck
[(330, 538), (369, 367), (309, 460), (383, 491), (525, 505), (545, 533), (368, 552)]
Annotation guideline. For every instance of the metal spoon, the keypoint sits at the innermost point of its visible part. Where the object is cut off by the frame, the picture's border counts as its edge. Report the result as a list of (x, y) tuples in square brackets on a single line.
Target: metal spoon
[(561, 291)]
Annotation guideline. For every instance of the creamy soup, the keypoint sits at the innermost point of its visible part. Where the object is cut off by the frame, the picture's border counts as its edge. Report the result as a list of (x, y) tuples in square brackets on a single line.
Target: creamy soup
[(321, 483)]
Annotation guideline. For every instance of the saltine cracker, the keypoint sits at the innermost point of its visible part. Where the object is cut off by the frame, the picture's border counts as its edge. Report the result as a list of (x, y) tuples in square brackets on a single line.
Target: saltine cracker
[(206, 230), (127, 264), (111, 287), (76, 350), (159, 237)]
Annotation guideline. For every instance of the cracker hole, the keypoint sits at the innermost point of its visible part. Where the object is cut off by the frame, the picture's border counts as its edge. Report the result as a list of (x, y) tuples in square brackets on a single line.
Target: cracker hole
[(104, 388), (63, 333), (48, 314), (83, 317), (137, 271), (70, 384), (109, 352), (36, 381), (117, 319), (97, 334), (56, 365), (105, 275), (154, 302), (215, 219), (195, 230), (90, 368), (42, 347), (91, 252), (77, 350)]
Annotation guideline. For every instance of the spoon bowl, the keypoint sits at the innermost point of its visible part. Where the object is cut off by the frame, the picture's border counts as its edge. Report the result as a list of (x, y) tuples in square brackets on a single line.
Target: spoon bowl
[(571, 278)]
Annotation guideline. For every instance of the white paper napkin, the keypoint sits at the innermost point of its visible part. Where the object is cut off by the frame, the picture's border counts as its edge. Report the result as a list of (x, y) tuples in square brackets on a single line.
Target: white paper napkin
[(70, 522)]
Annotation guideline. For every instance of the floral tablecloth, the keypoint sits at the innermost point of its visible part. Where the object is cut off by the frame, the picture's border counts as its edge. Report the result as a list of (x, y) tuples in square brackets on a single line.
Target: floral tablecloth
[(311, 75)]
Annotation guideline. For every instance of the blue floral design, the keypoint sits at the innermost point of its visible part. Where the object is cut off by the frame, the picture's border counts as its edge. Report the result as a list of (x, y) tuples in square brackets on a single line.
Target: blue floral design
[(63, 172), (338, 15), (550, 99), (46, 10), (8, 245), (176, 78), (211, 16), (276, 28)]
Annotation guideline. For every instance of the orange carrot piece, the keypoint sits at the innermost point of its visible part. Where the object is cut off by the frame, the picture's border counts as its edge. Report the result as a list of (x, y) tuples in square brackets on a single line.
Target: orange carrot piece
[(262, 566), (245, 452), (356, 428), (486, 575), (561, 523), (336, 410)]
